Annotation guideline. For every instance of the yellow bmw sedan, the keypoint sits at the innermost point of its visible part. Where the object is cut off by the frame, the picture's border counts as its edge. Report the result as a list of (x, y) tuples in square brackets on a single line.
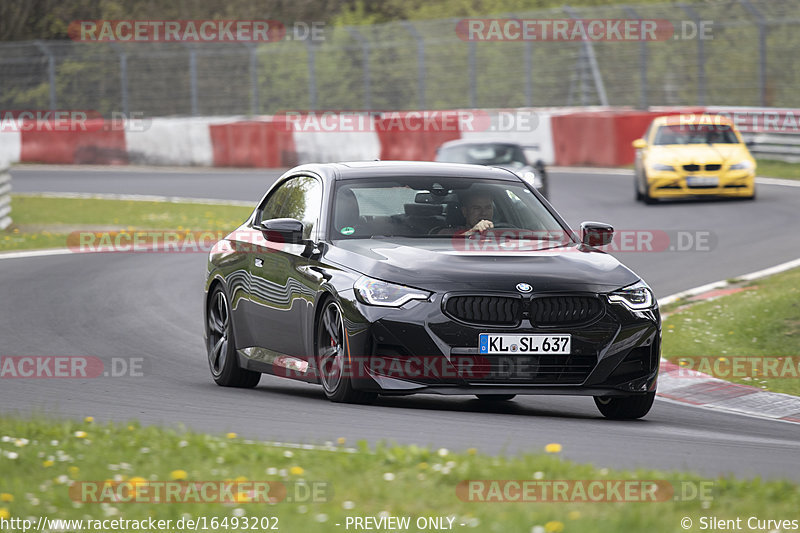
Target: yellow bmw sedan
[(684, 156)]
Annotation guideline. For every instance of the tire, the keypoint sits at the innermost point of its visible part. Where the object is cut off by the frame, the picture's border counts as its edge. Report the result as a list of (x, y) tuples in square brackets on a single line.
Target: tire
[(639, 196), (331, 352), (221, 345), (496, 397), (625, 408)]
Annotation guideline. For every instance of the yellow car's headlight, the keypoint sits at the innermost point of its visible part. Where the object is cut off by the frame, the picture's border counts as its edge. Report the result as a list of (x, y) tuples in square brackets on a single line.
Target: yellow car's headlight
[(661, 166), (744, 165)]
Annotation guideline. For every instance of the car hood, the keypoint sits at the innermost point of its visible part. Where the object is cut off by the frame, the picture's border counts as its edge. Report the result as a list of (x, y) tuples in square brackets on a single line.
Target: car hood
[(680, 154), (443, 264)]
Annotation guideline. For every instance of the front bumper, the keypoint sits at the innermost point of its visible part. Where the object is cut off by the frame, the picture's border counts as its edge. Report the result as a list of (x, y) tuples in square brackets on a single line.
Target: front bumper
[(674, 184), (419, 349)]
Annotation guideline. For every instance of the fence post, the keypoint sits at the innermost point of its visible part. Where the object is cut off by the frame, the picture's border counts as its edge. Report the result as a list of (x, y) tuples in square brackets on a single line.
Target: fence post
[(312, 75), (123, 77), (364, 66), (642, 63), (762, 51), (701, 56), (588, 49), (51, 71), (5, 194), (420, 61), (253, 80), (473, 80)]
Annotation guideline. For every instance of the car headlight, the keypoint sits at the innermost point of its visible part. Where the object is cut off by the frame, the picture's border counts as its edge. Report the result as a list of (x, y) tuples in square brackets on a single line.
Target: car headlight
[(532, 179), (376, 292), (636, 297), (661, 166), (744, 165)]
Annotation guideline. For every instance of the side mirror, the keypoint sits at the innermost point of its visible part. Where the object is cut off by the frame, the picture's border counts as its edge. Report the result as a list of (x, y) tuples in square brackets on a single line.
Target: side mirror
[(639, 144), (287, 230), (596, 233)]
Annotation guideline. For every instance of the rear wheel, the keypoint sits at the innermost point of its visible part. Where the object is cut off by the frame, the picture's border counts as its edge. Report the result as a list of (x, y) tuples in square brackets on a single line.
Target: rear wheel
[(221, 346), (626, 407), (334, 373), (496, 397)]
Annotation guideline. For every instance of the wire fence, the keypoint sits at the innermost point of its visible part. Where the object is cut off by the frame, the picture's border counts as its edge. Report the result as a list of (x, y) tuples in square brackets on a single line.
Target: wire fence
[(748, 59)]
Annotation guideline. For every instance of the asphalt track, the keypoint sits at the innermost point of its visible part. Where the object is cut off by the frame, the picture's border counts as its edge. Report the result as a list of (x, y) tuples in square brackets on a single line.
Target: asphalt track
[(148, 306)]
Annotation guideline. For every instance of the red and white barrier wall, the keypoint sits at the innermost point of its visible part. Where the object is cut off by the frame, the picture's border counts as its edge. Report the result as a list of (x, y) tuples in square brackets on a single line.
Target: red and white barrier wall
[(563, 136)]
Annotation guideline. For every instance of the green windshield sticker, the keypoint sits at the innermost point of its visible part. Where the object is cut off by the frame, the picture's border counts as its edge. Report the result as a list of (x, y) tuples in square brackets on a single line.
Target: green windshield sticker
[(347, 230)]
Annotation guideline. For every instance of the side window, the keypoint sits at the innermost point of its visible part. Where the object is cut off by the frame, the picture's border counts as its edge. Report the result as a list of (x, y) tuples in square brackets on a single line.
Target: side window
[(299, 198)]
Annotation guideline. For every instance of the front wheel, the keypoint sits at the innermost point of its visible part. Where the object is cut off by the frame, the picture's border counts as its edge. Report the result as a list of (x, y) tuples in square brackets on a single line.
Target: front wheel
[(626, 407), (221, 347), (332, 358)]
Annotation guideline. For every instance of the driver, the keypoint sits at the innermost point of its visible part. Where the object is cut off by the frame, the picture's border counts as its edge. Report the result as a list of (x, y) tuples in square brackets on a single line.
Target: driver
[(478, 211)]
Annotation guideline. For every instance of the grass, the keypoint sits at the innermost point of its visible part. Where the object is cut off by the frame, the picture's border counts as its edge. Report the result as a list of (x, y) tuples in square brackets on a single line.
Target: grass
[(42, 458), (777, 169), (762, 321), (47, 222)]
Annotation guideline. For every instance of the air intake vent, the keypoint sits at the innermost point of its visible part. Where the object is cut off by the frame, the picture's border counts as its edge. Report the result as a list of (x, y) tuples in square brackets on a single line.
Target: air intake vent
[(564, 310), (490, 310)]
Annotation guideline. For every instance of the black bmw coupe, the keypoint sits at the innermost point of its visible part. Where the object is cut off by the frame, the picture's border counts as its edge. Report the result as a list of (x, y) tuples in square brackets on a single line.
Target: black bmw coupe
[(394, 278)]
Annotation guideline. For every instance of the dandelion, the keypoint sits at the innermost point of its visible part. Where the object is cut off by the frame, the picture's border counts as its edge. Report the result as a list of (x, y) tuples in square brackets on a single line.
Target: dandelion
[(554, 526), (6, 497), (341, 440), (73, 471), (231, 435), (80, 434), (4, 514), (137, 480), (296, 470), (574, 515), (178, 475), (89, 419), (553, 447), (48, 463), (242, 497), (472, 451)]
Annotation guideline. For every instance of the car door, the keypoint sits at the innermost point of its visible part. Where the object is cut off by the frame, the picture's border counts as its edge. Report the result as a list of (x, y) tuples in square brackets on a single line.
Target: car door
[(282, 292)]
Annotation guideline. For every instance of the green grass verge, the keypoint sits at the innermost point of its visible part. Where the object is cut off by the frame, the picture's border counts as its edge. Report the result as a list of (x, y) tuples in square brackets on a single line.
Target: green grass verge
[(778, 169), (762, 321), (41, 458), (46, 222)]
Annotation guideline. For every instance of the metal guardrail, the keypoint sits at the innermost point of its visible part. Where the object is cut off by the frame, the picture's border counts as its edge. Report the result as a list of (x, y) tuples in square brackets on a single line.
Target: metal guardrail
[(5, 195), (771, 133)]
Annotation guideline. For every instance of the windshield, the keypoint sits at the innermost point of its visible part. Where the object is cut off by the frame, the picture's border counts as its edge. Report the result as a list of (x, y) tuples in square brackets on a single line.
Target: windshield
[(495, 154), (696, 134), (440, 208)]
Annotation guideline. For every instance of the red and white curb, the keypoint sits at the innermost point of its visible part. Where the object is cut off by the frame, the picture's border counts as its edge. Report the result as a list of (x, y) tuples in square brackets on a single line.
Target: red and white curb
[(701, 390)]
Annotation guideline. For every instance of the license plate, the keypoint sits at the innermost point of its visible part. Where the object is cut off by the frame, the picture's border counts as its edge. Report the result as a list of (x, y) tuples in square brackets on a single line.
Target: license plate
[(702, 181), (504, 343)]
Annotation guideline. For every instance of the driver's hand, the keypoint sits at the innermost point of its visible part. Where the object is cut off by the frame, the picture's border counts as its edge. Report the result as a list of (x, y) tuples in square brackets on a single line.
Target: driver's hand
[(481, 226)]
